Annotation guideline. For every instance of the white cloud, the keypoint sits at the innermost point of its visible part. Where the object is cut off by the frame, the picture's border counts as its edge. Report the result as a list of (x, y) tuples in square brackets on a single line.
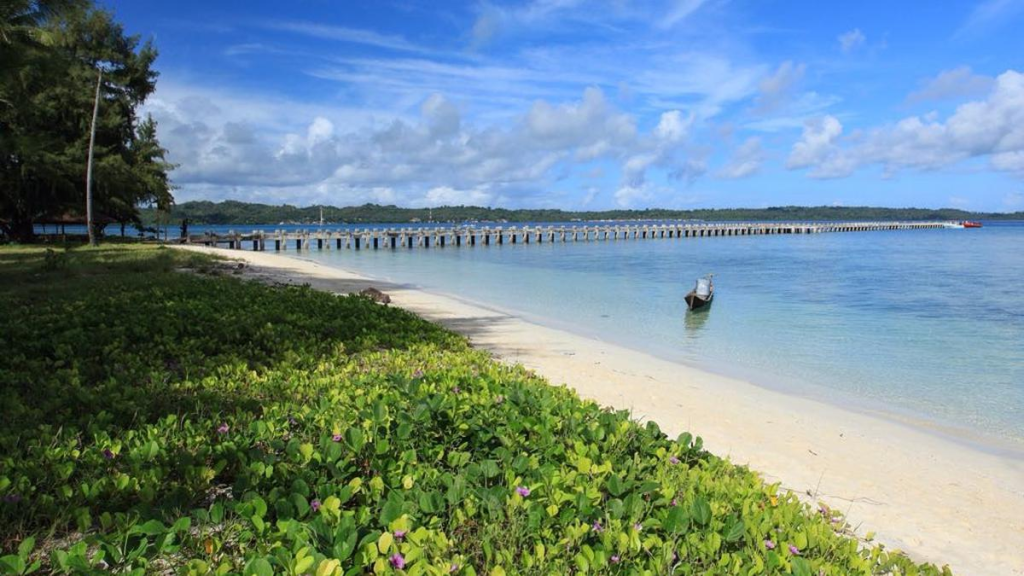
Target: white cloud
[(672, 127), (1009, 161), (746, 161), (816, 143), (348, 35), (988, 15), (680, 10), (448, 196), (851, 40), (701, 82), (959, 202), (436, 156), (992, 127), (628, 195), (959, 82), (1014, 201), (579, 123), (776, 88)]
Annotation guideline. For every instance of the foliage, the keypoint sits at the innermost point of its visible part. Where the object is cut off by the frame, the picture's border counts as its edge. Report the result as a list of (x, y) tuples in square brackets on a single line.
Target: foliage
[(154, 420), (233, 212), (52, 51)]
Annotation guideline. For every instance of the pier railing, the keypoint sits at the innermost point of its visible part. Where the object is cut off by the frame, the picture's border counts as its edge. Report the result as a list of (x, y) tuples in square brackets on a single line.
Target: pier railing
[(460, 236)]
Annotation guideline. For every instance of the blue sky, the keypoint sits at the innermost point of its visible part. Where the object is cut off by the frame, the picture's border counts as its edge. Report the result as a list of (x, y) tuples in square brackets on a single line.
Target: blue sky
[(591, 105)]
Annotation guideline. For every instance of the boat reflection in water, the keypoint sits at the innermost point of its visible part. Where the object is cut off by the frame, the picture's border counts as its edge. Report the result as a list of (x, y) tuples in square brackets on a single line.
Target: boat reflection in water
[(695, 320)]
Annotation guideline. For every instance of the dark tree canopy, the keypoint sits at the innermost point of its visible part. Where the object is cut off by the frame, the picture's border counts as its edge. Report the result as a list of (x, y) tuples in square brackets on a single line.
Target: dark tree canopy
[(51, 52)]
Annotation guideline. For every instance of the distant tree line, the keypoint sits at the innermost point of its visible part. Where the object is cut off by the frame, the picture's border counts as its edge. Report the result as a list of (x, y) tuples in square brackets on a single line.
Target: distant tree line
[(233, 212), (51, 55)]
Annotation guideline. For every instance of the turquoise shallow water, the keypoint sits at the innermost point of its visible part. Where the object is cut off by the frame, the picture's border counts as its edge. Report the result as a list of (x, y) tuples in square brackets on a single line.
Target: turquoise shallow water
[(920, 325)]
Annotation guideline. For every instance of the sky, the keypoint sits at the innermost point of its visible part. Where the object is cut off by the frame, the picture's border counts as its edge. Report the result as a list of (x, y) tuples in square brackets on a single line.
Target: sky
[(590, 105)]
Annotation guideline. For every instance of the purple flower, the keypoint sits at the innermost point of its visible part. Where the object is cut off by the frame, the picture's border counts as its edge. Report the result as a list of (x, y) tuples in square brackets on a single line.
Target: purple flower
[(597, 526), (794, 550), (417, 374), (292, 420), (315, 505), (453, 568), (769, 545), (336, 438), (674, 503), (108, 454), (638, 527), (673, 460), (615, 559), (399, 535), (456, 389), (223, 428), (397, 561), (523, 491)]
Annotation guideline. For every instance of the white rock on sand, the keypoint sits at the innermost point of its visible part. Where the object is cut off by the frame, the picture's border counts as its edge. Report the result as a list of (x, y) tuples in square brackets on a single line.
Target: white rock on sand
[(936, 499)]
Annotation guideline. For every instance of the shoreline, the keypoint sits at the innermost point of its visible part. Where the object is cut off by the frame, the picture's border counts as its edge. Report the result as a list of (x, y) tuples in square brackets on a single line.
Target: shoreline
[(1002, 447), (928, 495)]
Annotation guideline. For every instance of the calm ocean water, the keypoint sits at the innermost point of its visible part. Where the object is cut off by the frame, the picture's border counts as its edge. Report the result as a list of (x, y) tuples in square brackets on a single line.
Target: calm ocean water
[(921, 325)]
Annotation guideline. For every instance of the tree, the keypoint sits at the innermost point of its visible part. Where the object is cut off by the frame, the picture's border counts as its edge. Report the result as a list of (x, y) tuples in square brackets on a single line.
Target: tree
[(56, 49)]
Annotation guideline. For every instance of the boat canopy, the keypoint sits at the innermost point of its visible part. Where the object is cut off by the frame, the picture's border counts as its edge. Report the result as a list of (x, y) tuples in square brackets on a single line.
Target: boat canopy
[(703, 286)]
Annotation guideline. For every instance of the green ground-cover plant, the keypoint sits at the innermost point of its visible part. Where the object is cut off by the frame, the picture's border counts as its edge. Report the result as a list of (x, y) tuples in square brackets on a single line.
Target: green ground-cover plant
[(161, 421)]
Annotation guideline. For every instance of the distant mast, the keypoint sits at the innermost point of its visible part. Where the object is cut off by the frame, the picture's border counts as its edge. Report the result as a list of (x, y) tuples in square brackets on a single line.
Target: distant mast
[(321, 216)]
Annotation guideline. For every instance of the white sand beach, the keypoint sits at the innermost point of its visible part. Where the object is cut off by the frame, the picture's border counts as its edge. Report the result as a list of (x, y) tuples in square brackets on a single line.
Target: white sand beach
[(937, 499)]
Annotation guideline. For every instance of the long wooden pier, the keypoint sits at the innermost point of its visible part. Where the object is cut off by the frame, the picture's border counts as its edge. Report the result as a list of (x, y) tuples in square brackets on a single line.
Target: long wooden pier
[(459, 236)]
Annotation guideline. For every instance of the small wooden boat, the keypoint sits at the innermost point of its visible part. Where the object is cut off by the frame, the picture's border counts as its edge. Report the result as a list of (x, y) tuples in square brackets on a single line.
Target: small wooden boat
[(702, 293)]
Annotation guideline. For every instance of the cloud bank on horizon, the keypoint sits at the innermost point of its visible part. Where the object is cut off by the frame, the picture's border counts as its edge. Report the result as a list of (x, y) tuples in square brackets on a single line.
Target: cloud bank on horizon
[(592, 105)]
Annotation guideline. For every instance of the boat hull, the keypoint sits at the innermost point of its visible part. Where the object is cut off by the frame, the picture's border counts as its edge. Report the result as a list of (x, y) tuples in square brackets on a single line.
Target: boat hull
[(694, 302)]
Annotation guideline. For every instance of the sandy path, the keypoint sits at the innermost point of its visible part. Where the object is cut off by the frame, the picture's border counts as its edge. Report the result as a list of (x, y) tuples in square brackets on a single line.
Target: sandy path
[(937, 499)]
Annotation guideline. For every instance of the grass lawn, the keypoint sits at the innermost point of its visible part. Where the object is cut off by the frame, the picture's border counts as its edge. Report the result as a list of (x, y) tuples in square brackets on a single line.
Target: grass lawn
[(157, 414)]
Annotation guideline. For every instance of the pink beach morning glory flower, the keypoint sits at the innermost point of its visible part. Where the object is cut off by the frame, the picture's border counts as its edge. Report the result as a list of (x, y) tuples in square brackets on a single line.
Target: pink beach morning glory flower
[(453, 569), (674, 503), (397, 561), (523, 491), (673, 460), (399, 535), (638, 527), (597, 526), (794, 550), (456, 389), (336, 438), (223, 428), (615, 559), (315, 505), (768, 544), (108, 454)]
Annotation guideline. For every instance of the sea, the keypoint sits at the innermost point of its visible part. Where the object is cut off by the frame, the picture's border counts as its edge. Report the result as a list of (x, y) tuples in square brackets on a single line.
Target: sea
[(924, 326)]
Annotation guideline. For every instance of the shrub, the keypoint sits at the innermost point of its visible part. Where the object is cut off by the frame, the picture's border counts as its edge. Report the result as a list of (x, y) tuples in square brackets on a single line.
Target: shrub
[(155, 420)]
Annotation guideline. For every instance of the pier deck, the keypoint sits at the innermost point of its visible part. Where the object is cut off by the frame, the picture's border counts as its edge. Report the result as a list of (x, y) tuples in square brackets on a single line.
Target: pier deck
[(459, 236)]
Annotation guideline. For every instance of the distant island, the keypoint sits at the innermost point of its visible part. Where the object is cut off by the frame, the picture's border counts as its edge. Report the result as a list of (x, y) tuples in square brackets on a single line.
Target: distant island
[(234, 212)]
